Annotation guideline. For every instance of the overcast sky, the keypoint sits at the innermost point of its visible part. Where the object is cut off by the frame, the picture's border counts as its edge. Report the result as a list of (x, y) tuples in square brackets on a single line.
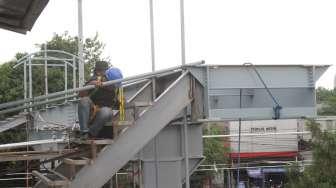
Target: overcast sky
[(217, 31)]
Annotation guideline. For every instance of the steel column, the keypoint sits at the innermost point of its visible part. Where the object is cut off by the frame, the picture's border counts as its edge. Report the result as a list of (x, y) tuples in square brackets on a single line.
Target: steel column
[(80, 44), (186, 149), (156, 139)]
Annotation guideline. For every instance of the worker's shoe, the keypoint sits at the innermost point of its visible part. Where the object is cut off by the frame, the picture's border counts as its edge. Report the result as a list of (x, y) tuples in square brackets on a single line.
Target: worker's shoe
[(85, 135), (81, 135)]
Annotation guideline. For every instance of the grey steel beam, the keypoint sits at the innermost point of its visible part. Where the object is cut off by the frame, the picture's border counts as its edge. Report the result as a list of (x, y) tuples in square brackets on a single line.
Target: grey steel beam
[(149, 124)]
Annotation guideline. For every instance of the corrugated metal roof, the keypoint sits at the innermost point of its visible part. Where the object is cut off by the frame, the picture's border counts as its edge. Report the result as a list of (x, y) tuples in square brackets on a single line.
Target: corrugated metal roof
[(20, 15)]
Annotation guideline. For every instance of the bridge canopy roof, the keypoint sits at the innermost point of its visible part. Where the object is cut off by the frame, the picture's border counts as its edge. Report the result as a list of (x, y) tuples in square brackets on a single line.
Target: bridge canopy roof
[(20, 15)]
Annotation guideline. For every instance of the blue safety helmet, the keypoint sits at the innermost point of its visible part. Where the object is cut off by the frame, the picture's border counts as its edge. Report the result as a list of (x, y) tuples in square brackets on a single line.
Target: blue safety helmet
[(113, 73)]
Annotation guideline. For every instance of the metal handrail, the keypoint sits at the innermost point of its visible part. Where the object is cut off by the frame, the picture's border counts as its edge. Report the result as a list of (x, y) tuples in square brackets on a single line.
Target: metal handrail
[(89, 87), (56, 51)]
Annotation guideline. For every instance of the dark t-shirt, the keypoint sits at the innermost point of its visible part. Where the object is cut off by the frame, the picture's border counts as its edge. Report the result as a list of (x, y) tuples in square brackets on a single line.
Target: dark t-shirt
[(104, 96)]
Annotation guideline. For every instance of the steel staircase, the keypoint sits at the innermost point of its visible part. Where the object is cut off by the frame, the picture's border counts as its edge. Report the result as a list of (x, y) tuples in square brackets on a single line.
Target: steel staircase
[(115, 154)]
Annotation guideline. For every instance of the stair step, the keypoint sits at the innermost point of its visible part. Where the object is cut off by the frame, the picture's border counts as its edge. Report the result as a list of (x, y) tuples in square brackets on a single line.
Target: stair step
[(10, 119), (79, 162), (23, 113), (96, 142), (58, 179), (125, 123), (141, 104), (73, 100), (3, 121)]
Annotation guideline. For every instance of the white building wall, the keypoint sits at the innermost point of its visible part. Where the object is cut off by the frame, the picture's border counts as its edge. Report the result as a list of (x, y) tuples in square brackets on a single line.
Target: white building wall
[(266, 143)]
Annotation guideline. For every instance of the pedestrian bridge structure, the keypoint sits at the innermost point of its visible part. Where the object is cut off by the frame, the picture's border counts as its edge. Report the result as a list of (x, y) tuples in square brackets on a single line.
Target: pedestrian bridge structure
[(160, 140)]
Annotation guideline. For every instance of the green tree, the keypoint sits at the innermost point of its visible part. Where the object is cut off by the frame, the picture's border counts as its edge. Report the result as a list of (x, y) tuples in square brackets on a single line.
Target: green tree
[(323, 94), (322, 172), (327, 98), (215, 152), (214, 148), (11, 80), (11, 87), (92, 51)]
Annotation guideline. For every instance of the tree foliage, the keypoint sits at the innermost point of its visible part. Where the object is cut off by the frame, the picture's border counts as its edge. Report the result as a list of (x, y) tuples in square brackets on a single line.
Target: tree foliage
[(327, 98), (322, 172), (214, 149), (11, 80)]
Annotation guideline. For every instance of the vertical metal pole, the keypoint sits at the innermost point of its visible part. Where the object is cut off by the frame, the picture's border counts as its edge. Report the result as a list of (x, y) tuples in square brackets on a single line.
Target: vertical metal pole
[(74, 72), (156, 146), (186, 149), (239, 137), (263, 178), (182, 32), (156, 156), (25, 80), (140, 172), (228, 178), (223, 176), (152, 36), (45, 70), (116, 180), (133, 174), (30, 81), (111, 182), (80, 44), (65, 79)]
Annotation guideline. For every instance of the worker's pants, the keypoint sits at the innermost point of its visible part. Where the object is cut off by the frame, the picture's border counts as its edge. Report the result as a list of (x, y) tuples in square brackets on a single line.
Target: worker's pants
[(103, 115)]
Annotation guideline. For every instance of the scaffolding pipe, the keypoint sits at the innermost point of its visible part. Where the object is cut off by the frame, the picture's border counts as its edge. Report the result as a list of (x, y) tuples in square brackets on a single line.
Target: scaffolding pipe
[(74, 73), (65, 79), (25, 80), (35, 104), (30, 81), (45, 70)]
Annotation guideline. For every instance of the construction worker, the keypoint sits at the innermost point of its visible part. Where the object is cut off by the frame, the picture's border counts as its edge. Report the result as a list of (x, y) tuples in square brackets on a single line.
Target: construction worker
[(95, 106)]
